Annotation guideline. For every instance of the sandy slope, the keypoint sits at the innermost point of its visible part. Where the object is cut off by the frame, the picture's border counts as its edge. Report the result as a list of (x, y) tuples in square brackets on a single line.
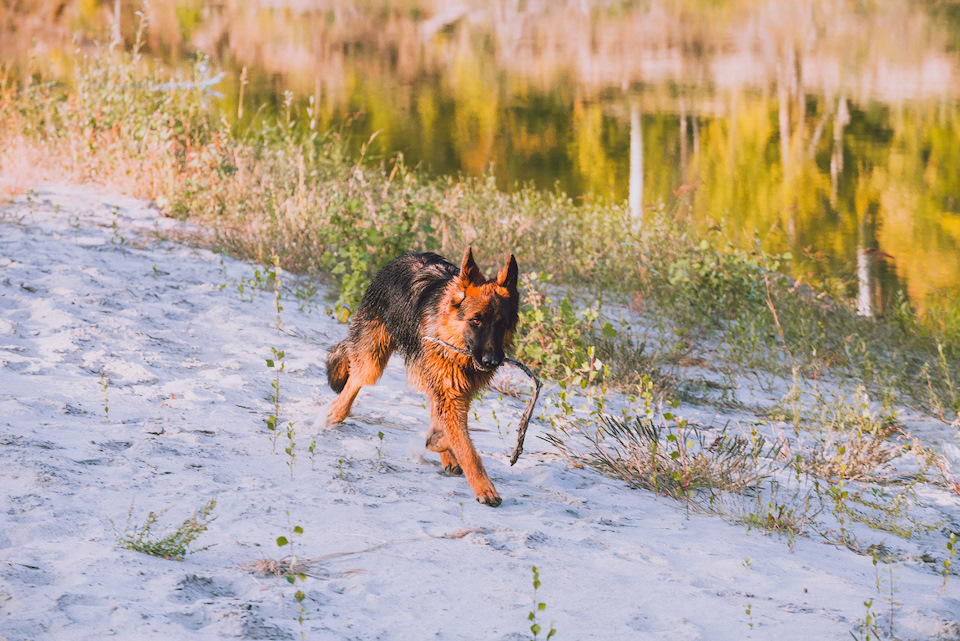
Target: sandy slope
[(87, 289)]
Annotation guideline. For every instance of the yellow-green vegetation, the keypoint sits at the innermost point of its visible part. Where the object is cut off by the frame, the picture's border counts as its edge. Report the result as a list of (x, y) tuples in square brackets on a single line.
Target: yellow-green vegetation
[(283, 187), (538, 606), (824, 170)]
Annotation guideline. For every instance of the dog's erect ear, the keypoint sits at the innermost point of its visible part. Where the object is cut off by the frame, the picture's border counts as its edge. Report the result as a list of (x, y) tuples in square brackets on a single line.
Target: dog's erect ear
[(507, 277), (470, 273)]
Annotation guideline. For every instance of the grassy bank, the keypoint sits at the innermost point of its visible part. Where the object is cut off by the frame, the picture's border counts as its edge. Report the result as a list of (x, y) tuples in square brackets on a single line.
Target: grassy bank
[(658, 312), (285, 189)]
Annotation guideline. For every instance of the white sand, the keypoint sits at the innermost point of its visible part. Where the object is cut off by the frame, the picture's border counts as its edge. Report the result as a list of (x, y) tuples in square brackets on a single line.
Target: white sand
[(188, 391)]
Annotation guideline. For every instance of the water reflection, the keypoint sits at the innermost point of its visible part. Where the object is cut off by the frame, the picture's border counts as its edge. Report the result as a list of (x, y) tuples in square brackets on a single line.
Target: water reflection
[(827, 129)]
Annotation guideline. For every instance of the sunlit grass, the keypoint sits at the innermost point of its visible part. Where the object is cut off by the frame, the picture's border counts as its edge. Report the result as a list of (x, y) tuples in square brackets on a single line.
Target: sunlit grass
[(283, 187)]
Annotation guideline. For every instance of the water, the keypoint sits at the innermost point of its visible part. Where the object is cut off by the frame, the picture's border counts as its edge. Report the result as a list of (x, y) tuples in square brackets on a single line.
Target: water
[(829, 129)]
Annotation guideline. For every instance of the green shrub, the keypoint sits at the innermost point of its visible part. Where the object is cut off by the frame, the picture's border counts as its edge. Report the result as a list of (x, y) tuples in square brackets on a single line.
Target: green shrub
[(174, 545)]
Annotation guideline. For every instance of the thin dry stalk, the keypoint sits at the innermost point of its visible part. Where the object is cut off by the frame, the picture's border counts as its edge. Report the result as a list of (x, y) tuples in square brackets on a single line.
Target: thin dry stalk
[(776, 320), (314, 567)]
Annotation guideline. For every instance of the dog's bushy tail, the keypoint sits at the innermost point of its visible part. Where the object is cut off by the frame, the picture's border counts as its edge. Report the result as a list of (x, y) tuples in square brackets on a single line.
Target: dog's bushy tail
[(338, 367)]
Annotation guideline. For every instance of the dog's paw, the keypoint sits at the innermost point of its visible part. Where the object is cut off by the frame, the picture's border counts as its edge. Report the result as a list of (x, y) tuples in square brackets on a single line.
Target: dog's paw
[(490, 498), (450, 463), (453, 469), (336, 414)]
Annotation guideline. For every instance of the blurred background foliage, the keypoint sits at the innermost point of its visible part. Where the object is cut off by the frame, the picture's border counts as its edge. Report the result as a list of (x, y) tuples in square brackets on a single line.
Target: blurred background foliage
[(827, 128)]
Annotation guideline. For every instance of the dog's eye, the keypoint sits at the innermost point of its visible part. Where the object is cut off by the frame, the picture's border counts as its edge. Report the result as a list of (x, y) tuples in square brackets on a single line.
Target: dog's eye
[(476, 322)]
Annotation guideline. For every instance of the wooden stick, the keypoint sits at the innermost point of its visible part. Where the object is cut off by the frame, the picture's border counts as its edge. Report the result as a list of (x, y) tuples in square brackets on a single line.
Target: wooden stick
[(527, 413)]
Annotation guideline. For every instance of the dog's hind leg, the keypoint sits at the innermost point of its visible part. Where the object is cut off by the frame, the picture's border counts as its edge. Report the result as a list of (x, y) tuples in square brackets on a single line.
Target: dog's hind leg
[(338, 366), (367, 353), (340, 408), (437, 442)]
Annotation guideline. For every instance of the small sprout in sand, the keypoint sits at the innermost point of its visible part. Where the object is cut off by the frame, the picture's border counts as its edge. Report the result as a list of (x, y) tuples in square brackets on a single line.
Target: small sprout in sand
[(172, 546), (118, 238), (295, 573), (291, 448), (104, 385), (948, 562), (276, 364), (867, 629), (274, 275), (538, 606)]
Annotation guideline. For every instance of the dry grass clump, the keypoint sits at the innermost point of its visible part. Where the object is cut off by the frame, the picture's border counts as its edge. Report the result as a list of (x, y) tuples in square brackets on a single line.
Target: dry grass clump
[(677, 461), (857, 456), (286, 566), (776, 509), (947, 476), (858, 444)]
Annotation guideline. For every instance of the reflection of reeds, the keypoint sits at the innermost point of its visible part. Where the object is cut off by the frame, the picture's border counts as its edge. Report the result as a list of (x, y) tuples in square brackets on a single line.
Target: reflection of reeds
[(896, 51)]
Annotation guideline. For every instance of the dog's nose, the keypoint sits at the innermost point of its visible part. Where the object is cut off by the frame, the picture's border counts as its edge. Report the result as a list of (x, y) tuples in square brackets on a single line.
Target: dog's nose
[(490, 361)]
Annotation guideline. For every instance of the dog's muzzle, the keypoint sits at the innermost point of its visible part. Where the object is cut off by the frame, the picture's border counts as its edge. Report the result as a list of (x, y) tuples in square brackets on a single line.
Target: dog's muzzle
[(488, 362)]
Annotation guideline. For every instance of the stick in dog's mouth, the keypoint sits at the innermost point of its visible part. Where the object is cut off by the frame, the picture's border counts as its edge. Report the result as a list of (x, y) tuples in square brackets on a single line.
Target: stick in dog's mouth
[(527, 413)]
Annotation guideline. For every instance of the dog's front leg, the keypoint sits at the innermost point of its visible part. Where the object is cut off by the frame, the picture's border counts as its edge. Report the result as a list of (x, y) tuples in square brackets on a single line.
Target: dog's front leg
[(450, 415)]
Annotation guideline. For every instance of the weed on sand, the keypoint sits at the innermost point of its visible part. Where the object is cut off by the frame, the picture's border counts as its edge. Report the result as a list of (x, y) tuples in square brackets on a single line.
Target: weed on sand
[(174, 545)]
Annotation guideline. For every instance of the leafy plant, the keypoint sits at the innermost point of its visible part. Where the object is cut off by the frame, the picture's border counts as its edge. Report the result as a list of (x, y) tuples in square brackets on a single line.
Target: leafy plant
[(291, 448), (176, 544), (869, 625), (275, 275), (277, 365), (557, 337), (948, 562), (294, 573), (538, 606)]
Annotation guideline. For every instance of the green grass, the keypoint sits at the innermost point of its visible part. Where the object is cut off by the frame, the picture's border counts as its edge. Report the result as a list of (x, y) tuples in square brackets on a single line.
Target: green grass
[(282, 187)]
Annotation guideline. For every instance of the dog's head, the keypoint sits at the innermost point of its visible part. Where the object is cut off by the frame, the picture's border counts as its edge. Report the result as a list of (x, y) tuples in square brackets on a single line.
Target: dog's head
[(485, 311)]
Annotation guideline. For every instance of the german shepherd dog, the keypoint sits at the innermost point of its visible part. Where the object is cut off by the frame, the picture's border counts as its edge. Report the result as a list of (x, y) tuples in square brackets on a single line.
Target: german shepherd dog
[(413, 301)]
